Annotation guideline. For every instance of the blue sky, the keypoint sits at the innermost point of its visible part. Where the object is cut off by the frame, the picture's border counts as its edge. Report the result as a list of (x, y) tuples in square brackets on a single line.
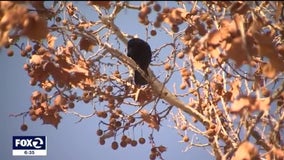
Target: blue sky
[(75, 140)]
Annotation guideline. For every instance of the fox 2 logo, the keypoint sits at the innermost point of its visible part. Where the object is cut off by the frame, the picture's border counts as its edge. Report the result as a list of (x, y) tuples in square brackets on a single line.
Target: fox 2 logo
[(29, 142)]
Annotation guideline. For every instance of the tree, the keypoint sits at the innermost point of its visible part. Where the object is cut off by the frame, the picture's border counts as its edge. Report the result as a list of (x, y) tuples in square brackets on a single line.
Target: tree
[(226, 56)]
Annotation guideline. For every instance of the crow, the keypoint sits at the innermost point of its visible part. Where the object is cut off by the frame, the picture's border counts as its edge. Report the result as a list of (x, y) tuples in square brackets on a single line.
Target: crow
[(140, 52)]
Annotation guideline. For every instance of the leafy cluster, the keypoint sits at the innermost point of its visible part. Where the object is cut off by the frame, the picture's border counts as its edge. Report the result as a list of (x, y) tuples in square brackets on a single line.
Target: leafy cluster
[(227, 56)]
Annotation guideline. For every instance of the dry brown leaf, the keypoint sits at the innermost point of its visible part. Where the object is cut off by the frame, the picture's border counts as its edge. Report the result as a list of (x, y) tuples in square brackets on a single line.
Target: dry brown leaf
[(49, 67), (224, 34), (201, 29), (214, 38), (235, 88), (227, 96), (240, 7), (143, 95), (77, 78), (217, 87), (70, 8), (280, 49), (230, 25), (152, 120), (36, 59), (268, 70), (87, 44), (239, 104), (44, 105), (38, 111), (174, 16), (265, 45), (108, 134), (278, 11), (36, 95), (89, 81), (35, 27), (60, 76), (47, 85), (39, 5), (69, 44), (104, 4), (177, 13), (79, 69), (185, 15), (251, 103), (59, 100), (51, 40), (199, 65), (239, 23), (237, 52), (64, 61), (82, 63), (84, 25), (255, 26), (52, 119), (204, 16), (226, 46), (200, 56), (277, 153), (215, 52), (162, 148), (263, 104), (266, 48), (219, 37), (246, 151), (41, 10), (12, 16)]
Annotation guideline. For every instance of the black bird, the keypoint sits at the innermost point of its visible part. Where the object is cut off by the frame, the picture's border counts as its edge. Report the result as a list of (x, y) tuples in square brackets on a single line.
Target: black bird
[(140, 52)]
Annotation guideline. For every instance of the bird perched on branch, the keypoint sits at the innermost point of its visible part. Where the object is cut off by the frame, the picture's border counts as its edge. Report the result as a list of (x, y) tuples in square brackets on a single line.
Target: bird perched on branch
[(140, 52)]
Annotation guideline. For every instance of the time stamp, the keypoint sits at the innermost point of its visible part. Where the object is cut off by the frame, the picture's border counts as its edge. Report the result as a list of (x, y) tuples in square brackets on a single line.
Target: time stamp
[(29, 152)]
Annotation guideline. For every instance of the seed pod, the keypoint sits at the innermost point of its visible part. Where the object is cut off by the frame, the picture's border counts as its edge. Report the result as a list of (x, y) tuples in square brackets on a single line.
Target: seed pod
[(133, 143), (24, 127), (114, 145), (157, 7), (142, 140), (185, 138), (99, 132)]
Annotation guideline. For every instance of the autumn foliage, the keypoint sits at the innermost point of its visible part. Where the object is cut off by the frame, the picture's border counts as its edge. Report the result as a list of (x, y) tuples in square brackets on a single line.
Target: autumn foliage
[(220, 76)]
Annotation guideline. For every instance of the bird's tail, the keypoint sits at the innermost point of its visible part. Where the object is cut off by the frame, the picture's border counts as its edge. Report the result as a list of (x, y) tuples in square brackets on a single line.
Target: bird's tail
[(139, 80)]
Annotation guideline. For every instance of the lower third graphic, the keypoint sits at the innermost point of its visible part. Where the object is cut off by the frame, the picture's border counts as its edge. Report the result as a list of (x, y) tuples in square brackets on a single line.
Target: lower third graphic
[(29, 146)]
